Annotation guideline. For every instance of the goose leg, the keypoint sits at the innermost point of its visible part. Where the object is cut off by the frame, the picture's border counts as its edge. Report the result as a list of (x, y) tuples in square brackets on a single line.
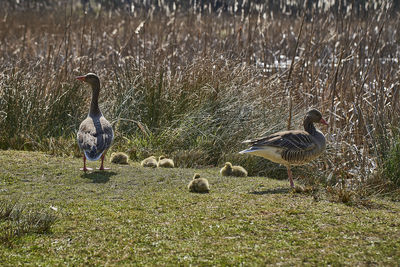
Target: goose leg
[(84, 165), (102, 163), (289, 172)]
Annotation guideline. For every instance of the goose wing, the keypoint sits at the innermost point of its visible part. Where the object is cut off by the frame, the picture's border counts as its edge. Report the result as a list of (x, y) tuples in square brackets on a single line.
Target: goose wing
[(95, 135), (288, 140), (108, 133), (296, 147)]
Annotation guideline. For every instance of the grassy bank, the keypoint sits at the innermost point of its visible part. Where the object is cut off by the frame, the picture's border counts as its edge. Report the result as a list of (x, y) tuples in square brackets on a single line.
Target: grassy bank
[(137, 216)]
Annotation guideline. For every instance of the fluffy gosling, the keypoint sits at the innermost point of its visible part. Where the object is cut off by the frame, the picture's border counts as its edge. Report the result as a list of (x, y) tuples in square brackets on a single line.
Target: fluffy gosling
[(199, 185), (163, 162), (119, 158), (229, 170), (149, 162)]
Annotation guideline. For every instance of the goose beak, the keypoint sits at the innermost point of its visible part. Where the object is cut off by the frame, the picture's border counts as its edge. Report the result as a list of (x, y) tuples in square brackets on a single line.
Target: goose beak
[(323, 122), (81, 78)]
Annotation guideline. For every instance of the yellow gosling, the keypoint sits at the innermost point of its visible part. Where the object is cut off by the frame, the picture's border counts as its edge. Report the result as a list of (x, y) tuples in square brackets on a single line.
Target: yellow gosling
[(164, 162), (229, 170), (239, 171), (199, 185), (119, 158), (149, 162)]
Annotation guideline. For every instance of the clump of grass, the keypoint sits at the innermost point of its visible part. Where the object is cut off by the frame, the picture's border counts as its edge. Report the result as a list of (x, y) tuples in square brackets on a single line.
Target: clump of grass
[(6, 207), (353, 193), (392, 163), (195, 158), (17, 220), (341, 195)]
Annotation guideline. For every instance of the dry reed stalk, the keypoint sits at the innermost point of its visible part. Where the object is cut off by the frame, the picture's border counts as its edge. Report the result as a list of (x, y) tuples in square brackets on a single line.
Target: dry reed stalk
[(289, 121)]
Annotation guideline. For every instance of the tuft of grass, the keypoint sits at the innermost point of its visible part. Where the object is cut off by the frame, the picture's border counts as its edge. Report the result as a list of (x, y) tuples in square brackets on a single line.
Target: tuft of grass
[(342, 195), (392, 163), (17, 221), (6, 207)]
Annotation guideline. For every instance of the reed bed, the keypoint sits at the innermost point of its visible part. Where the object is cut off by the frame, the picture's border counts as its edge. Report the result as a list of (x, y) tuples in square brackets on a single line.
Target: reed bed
[(194, 82)]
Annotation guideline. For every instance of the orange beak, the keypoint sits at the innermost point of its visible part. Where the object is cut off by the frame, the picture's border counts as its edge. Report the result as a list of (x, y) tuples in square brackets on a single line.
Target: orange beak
[(323, 122), (81, 78)]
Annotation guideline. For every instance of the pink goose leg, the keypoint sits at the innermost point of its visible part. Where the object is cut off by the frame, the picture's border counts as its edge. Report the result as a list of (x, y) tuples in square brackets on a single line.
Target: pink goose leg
[(102, 165), (84, 165), (289, 172)]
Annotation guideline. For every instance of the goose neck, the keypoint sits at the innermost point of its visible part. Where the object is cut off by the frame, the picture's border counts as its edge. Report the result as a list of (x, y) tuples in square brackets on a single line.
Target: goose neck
[(309, 126), (94, 105)]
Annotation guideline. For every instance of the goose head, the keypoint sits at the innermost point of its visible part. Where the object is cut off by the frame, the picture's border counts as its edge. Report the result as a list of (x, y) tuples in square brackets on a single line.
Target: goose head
[(313, 115), (196, 176), (91, 79), (228, 166)]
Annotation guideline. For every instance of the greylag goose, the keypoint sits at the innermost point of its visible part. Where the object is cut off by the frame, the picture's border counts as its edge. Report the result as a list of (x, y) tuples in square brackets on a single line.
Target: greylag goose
[(149, 162), (119, 158), (164, 162), (95, 133), (291, 148), (199, 185), (229, 170)]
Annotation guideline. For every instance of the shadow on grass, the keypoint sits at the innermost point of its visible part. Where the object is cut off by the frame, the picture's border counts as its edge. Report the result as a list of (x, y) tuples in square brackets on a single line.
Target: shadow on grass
[(100, 177), (272, 191)]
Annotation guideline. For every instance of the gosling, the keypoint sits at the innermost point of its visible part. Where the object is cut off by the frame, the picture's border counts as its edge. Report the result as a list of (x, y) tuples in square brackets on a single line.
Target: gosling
[(199, 185), (163, 162), (229, 170), (149, 162), (119, 158)]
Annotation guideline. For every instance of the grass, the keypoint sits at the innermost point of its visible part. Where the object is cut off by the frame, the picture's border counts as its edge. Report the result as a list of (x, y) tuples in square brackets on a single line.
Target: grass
[(18, 221), (392, 159), (137, 216)]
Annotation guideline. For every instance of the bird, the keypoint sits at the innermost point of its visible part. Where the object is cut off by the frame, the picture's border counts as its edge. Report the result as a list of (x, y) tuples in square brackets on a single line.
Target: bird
[(149, 162), (164, 162), (199, 185), (95, 134), (293, 147), (119, 158), (229, 170)]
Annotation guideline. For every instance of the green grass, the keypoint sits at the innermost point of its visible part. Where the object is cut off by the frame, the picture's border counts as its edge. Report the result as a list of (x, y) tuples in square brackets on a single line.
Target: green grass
[(391, 165), (136, 216)]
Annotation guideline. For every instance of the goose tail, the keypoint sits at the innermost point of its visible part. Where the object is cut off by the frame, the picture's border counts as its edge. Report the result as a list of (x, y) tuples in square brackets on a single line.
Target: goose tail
[(250, 150), (93, 155)]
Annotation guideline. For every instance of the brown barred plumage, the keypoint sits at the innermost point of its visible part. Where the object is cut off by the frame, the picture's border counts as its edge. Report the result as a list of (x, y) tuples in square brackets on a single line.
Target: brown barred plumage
[(289, 148)]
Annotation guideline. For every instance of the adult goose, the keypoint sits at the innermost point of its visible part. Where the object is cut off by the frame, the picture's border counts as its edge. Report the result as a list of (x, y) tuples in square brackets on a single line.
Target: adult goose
[(291, 148), (95, 133)]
